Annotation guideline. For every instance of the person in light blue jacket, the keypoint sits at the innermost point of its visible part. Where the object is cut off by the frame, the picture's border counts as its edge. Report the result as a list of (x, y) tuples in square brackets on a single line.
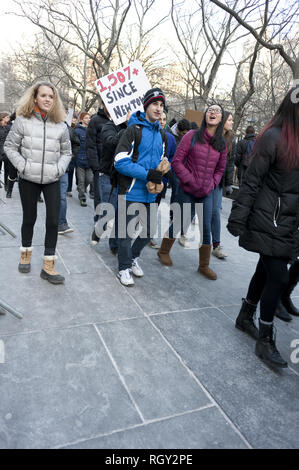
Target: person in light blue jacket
[(139, 202)]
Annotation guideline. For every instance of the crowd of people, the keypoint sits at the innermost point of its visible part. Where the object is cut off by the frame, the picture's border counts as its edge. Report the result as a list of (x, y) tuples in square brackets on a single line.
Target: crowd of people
[(129, 167)]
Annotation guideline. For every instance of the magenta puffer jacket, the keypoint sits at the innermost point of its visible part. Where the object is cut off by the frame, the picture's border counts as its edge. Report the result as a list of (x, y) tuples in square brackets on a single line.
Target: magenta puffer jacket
[(200, 170)]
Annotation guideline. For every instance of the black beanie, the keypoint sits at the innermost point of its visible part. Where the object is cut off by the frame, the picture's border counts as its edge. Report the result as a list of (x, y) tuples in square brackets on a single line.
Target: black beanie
[(154, 94)]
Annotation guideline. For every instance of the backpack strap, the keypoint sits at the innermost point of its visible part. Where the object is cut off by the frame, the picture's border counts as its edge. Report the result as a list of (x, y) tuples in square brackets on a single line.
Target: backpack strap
[(137, 140), (165, 142)]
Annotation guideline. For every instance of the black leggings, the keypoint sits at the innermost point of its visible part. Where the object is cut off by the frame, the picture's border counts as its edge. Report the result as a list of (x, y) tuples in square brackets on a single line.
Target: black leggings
[(267, 284), (30, 193)]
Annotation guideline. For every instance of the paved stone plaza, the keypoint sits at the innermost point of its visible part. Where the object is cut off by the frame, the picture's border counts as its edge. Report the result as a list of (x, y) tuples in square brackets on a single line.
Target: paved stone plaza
[(93, 364)]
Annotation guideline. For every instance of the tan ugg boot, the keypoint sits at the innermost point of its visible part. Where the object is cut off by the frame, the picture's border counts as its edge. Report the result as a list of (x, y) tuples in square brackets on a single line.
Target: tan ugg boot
[(204, 261), (164, 250), (24, 264), (48, 272)]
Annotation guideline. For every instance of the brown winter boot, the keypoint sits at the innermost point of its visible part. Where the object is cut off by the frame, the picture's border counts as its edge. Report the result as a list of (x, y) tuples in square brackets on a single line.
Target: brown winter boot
[(204, 260), (164, 250), (24, 264), (48, 272)]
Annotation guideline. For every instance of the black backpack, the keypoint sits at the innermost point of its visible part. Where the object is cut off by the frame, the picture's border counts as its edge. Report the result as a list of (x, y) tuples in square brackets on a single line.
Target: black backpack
[(123, 182), (248, 152)]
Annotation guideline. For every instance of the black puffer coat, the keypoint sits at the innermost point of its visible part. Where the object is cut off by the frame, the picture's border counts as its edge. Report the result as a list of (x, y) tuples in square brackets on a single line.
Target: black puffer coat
[(4, 130), (266, 211), (228, 175), (110, 136), (94, 145)]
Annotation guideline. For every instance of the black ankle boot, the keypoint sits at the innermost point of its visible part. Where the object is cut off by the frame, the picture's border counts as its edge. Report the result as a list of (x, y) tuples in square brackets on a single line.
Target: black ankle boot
[(265, 347), (287, 301), (282, 313), (245, 321)]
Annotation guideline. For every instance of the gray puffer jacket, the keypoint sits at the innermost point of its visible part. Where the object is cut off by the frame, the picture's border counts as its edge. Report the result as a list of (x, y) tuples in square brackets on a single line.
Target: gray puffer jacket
[(39, 149)]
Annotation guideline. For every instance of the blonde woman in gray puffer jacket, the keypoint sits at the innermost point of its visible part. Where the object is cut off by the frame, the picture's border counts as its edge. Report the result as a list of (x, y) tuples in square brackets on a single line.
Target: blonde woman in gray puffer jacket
[(39, 147)]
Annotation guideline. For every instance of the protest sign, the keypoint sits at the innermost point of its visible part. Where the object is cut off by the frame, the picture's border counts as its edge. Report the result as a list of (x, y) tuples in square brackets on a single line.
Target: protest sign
[(194, 116), (123, 91)]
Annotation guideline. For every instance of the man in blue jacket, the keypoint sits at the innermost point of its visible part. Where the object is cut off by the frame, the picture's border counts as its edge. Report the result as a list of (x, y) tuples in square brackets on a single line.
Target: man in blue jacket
[(139, 204)]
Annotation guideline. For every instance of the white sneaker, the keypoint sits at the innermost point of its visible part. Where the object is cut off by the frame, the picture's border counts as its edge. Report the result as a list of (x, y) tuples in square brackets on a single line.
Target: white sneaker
[(136, 269), (219, 253), (183, 241), (125, 277), (154, 244)]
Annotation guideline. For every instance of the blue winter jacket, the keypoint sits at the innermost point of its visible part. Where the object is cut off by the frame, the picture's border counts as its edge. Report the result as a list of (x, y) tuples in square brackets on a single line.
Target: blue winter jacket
[(150, 154), (81, 159), (171, 148)]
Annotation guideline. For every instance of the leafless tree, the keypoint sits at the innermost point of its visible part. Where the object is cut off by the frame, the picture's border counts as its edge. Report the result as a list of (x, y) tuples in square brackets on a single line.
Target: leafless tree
[(204, 37), (28, 63), (91, 26), (284, 19), (91, 31), (138, 43)]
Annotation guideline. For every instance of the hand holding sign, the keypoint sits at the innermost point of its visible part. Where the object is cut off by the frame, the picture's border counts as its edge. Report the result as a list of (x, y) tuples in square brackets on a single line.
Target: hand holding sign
[(122, 91)]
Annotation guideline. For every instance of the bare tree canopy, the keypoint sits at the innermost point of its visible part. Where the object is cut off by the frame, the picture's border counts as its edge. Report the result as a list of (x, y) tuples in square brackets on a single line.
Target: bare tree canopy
[(281, 17), (242, 53)]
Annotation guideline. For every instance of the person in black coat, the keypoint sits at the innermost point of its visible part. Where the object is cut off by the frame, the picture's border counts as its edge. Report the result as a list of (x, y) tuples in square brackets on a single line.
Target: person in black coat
[(4, 130), (63, 226), (243, 152), (110, 136), (265, 216), (94, 149)]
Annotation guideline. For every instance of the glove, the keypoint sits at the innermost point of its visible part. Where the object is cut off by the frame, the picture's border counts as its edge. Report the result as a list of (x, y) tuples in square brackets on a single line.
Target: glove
[(155, 176), (228, 190), (235, 229)]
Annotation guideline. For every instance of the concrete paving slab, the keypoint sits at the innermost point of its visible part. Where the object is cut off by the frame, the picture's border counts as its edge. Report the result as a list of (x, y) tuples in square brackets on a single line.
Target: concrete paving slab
[(62, 387), (260, 401), (158, 381), (192, 330), (204, 429)]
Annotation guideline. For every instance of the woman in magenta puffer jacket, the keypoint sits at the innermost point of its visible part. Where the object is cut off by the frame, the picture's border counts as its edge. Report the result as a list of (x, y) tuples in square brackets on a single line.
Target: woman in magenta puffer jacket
[(199, 164)]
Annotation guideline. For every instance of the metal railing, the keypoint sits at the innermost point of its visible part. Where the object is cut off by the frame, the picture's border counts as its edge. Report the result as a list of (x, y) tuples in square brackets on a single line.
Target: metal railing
[(4, 306)]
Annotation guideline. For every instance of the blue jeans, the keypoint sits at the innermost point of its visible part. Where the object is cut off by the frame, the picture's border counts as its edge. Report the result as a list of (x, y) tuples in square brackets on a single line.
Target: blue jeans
[(216, 218), (63, 183), (107, 196), (187, 205), (147, 216), (211, 216)]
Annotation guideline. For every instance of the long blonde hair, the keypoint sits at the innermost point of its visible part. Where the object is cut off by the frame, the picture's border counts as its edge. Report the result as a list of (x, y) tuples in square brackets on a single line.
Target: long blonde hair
[(26, 103)]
